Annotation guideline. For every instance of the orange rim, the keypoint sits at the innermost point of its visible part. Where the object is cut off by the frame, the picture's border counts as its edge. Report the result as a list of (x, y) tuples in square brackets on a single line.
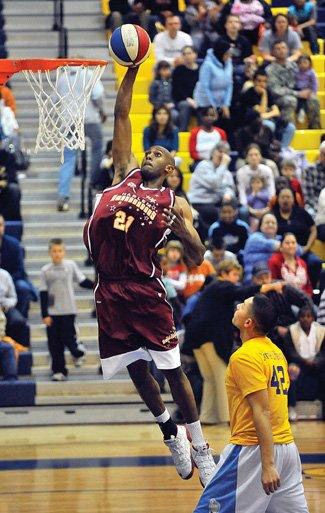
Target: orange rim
[(9, 67)]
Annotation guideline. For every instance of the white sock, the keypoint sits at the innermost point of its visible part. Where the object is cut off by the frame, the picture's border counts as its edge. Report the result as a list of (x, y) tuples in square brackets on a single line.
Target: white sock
[(161, 419), (195, 430)]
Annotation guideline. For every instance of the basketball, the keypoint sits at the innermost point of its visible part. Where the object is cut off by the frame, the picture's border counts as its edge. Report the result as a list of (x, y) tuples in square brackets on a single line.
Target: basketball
[(129, 45)]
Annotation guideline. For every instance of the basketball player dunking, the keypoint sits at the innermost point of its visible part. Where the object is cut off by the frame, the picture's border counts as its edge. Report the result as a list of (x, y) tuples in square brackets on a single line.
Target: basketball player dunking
[(129, 225)]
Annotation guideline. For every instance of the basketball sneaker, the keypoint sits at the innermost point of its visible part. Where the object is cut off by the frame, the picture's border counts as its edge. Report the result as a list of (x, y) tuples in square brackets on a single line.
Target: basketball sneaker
[(58, 376), (204, 462), (180, 449)]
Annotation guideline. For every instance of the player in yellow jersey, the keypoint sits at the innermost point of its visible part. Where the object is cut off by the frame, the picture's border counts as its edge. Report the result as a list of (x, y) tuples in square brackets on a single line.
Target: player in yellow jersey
[(260, 470)]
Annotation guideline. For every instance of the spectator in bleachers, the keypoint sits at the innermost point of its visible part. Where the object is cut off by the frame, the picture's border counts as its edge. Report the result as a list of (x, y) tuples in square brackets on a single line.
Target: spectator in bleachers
[(176, 268), (159, 13), (12, 260), (160, 91), (261, 244), (260, 98), (8, 98), (7, 353), (210, 184), (254, 167), (291, 217), (170, 43), (253, 14), (206, 136), (175, 181), (107, 168), (123, 11), (184, 79), (280, 31), (8, 123), (306, 79), (289, 169), (302, 16), (9, 190), (215, 83), (17, 327), (217, 251), (314, 180), (282, 75), (320, 217), (304, 349), (197, 277), (229, 228), (58, 307), (240, 48), (254, 132), (161, 131), (257, 200), (282, 182), (286, 265), (196, 17)]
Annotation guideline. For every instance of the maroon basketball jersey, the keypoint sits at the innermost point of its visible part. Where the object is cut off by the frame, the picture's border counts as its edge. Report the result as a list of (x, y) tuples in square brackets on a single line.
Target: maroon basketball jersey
[(125, 231)]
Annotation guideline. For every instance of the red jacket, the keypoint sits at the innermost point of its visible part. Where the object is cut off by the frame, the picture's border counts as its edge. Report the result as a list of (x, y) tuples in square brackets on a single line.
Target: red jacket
[(298, 279)]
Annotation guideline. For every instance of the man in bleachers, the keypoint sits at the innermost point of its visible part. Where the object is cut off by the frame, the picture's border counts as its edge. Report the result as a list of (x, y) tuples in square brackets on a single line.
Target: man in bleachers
[(260, 98), (282, 75), (17, 327), (170, 43), (125, 11), (12, 260), (314, 180), (184, 80)]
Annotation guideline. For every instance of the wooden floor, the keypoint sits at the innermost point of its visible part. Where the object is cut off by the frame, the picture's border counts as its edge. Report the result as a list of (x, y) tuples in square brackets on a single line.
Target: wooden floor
[(35, 482)]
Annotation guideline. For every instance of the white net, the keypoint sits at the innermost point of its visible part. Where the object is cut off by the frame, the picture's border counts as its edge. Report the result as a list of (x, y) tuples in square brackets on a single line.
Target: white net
[(62, 96)]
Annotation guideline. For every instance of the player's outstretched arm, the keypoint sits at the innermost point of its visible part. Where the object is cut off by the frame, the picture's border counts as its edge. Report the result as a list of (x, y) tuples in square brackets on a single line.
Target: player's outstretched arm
[(180, 220), (123, 159)]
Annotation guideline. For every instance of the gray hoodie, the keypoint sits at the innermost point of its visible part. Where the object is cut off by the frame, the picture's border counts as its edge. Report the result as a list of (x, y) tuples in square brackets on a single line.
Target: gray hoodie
[(209, 183)]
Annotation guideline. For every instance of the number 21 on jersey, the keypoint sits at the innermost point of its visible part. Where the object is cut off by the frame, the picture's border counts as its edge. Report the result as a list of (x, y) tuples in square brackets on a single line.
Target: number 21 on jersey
[(278, 380), (122, 221)]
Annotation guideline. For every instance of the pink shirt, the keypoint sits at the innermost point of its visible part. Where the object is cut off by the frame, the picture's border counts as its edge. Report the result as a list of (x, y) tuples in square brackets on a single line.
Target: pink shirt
[(251, 15)]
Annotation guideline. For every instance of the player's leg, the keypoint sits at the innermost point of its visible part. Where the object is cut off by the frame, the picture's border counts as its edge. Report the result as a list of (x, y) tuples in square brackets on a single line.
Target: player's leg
[(174, 436), (290, 497), (236, 483), (169, 363)]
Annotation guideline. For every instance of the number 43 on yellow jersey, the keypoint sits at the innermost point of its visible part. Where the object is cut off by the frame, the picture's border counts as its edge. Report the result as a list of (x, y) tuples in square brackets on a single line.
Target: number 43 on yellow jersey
[(278, 380), (122, 222)]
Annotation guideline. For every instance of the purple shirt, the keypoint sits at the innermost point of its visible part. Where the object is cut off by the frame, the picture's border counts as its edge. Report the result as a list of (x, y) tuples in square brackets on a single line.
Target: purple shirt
[(259, 200), (307, 80)]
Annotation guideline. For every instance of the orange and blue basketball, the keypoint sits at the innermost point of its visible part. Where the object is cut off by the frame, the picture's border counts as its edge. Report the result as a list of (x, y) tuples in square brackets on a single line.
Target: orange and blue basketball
[(129, 45)]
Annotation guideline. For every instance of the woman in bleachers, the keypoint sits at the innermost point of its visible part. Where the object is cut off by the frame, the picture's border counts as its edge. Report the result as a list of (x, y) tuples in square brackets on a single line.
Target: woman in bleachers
[(286, 265), (175, 182), (161, 131), (261, 245), (253, 15), (160, 91), (215, 83), (291, 217), (280, 30)]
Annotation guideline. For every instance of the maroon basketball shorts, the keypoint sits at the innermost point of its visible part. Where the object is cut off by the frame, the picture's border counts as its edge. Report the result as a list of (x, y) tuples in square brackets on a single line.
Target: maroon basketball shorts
[(135, 322)]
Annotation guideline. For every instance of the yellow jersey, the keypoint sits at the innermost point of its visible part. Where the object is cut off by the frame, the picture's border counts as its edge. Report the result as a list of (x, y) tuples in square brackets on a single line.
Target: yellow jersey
[(258, 365)]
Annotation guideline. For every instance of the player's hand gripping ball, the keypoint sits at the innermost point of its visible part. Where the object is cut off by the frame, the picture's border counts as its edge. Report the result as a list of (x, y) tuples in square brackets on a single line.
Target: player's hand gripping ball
[(129, 45)]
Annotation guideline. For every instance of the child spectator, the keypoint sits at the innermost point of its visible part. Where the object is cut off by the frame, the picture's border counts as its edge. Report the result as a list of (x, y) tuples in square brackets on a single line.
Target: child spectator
[(305, 79), (288, 169), (233, 231), (286, 265), (257, 200), (176, 270), (205, 137), (302, 16), (58, 307), (161, 131), (184, 80), (160, 91), (217, 251), (196, 278), (304, 350)]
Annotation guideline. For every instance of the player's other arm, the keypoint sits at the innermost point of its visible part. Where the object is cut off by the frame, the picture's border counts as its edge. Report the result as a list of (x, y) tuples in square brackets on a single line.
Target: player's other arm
[(180, 220), (259, 403), (123, 159)]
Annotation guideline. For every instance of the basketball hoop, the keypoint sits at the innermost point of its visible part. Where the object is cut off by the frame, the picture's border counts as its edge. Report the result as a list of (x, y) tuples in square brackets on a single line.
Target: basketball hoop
[(62, 89)]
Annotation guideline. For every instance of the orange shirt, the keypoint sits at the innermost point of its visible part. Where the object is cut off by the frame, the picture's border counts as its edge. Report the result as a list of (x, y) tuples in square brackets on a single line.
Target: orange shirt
[(8, 98), (196, 277)]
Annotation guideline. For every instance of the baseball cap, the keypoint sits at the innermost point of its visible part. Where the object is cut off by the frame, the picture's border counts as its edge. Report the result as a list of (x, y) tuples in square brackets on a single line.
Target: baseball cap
[(260, 268)]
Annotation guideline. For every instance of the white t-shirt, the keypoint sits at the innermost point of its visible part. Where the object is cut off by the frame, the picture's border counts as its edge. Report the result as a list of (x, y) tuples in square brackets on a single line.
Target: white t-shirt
[(167, 49)]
